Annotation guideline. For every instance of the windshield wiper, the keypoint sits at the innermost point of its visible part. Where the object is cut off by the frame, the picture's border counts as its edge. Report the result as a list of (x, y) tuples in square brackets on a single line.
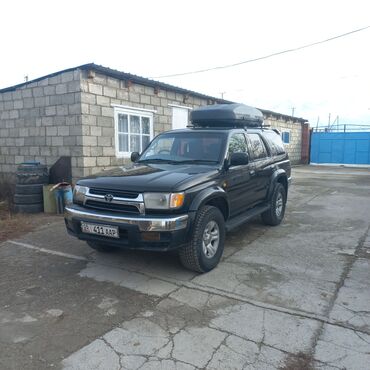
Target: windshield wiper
[(170, 161), (197, 161), (156, 160)]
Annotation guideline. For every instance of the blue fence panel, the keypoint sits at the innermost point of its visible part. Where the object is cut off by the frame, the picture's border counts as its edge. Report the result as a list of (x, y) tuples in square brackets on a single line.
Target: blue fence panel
[(341, 148)]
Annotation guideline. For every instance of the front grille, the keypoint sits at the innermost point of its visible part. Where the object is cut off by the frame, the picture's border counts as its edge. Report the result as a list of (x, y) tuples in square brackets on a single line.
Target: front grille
[(111, 206), (115, 193)]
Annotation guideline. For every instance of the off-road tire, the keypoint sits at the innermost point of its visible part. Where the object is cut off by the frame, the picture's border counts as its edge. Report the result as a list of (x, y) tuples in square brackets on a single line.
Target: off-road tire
[(272, 216), (102, 247), (28, 189), (29, 208), (30, 178), (192, 255), (29, 174), (28, 199)]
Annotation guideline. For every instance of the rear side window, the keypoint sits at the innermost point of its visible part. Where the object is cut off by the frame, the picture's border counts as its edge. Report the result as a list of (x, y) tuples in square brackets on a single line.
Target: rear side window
[(274, 142), (257, 148)]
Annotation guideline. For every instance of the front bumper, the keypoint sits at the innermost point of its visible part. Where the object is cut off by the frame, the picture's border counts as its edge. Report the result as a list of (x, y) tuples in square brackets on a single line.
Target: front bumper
[(172, 231), (143, 223)]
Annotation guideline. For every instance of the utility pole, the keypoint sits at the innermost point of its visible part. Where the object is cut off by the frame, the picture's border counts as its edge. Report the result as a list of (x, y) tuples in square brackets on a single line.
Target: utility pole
[(329, 120), (293, 109), (335, 122), (222, 94)]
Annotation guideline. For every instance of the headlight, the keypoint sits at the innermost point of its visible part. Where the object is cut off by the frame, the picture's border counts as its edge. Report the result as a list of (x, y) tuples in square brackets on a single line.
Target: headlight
[(163, 200), (79, 193)]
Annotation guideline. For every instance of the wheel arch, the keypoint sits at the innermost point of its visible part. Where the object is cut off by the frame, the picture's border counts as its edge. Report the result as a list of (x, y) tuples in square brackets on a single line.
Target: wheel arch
[(212, 197), (279, 176), (284, 181)]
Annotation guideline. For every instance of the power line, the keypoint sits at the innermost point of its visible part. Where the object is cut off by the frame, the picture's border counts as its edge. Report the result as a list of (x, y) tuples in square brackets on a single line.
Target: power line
[(265, 56)]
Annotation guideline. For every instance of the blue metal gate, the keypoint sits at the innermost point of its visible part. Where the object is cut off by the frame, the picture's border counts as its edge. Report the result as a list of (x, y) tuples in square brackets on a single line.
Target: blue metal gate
[(343, 147)]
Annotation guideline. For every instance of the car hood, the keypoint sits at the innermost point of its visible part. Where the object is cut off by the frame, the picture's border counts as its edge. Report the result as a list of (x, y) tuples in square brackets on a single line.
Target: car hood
[(151, 177)]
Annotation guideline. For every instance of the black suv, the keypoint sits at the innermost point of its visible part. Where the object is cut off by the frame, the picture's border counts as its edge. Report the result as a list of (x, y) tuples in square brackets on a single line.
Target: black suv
[(187, 188)]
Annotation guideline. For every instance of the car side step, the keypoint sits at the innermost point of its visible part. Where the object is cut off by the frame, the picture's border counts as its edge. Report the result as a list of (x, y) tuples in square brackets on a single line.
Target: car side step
[(246, 216)]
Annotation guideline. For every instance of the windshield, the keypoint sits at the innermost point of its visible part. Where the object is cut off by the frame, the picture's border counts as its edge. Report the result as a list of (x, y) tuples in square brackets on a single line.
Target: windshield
[(182, 147)]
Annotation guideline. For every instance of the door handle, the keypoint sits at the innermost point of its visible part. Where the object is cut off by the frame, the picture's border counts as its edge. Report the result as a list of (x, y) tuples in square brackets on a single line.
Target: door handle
[(252, 172)]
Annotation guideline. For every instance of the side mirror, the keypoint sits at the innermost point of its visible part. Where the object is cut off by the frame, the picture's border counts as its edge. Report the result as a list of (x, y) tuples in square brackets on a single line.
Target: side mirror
[(134, 156), (239, 159)]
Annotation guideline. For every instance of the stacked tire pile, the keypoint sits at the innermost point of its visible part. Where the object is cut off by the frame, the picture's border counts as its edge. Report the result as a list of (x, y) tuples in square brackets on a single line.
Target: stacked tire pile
[(28, 196)]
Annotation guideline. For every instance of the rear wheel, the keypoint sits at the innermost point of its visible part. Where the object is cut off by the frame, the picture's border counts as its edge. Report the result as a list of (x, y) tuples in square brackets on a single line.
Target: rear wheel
[(275, 214), (206, 246), (101, 247)]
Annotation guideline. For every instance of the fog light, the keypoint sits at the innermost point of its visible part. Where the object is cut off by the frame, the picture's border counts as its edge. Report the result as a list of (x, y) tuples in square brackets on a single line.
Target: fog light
[(151, 236)]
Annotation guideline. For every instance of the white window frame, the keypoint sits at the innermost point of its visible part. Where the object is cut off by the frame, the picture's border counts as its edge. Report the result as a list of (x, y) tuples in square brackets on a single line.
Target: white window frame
[(133, 112), (288, 132)]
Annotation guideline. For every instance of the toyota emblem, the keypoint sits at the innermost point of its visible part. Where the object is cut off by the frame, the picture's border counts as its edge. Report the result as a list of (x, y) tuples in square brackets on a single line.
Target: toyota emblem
[(108, 197)]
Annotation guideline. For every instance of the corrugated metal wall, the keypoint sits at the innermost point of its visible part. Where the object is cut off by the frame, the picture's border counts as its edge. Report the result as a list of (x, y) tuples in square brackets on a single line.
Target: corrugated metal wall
[(341, 148)]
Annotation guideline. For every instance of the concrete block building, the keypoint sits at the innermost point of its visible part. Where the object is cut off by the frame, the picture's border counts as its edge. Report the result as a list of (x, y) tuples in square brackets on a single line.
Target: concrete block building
[(97, 116)]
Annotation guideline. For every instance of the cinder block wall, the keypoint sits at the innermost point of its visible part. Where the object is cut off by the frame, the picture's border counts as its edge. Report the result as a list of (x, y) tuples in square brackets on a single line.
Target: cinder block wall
[(294, 148), (71, 114), (98, 94), (42, 121)]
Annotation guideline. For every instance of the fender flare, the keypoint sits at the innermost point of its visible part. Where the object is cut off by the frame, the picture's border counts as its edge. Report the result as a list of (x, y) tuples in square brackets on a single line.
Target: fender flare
[(207, 195), (278, 174)]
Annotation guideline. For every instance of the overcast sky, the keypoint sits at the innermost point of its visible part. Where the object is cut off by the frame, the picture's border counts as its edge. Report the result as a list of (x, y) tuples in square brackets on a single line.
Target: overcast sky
[(155, 38)]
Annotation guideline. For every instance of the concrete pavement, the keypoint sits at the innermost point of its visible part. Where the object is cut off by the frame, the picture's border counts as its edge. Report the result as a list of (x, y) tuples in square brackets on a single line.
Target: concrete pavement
[(294, 296)]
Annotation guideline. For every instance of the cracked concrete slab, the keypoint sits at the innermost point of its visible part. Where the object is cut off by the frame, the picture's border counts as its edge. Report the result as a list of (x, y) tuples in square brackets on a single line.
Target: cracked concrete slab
[(264, 283), (150, 343), (166, 265), (192, 297), (196, 346), (132, 362), (343, 348), (137, 337), (132, 280), (141, 310), (352, 306), (97, 355), (288, 267), (166, 365), (244, 321), (278, 330), (234, 353)]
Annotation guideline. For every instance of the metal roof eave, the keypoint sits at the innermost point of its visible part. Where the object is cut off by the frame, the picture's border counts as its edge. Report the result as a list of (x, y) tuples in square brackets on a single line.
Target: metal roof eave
[(146, 82)]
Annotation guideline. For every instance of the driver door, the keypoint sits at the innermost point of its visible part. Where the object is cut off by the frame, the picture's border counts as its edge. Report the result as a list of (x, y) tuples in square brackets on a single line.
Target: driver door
[(240, 184)]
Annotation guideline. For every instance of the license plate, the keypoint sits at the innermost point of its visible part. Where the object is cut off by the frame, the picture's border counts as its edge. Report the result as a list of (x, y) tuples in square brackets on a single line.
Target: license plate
[(105, 230)]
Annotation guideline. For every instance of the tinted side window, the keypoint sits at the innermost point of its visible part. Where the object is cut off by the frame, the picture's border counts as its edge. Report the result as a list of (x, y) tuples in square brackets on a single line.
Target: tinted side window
[(275, 143), (257, 148), (237, 144)]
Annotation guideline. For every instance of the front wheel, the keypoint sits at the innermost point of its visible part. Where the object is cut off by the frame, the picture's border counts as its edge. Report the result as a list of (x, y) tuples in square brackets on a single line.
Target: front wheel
[(275, 214), (206, 246)]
